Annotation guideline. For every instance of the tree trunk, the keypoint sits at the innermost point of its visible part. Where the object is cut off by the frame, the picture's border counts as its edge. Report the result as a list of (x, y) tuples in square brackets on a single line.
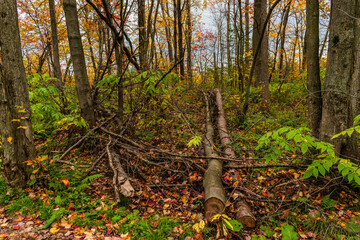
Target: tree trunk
[(244, 214), (313, 70), (214, 191), (82, 85), (180, 37), (261, 63), (282, 40), (341, 85), (247, 35), (15, 111), (55, 41), (142, 36), (188, 41)]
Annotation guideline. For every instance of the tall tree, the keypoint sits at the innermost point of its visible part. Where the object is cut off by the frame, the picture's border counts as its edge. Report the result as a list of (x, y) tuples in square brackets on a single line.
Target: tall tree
[(142, 35), (341, 84), (82, 85), (313, 69), (54, 41), (15, 112), (247, 34), (188, 40), (180, 37), (261, 68)]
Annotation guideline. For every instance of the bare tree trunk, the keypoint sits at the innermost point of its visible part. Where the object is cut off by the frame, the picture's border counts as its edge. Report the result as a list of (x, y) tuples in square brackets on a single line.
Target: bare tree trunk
[(261, 63), (15, 111), (175, 37), (55, 41), (180, 37), (341, 85), (78, 58), (282, 40), (247, 35), (188, 40), (313, 69), (142, 36), (228, 30)]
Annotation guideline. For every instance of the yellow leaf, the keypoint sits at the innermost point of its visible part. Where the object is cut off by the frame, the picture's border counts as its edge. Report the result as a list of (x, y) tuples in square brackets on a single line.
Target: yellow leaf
[(229, 224), (54, 230), (23, 127), (21, 111), (35, 171), (9, 139), (196, 227), (15, 120), (184, 199)]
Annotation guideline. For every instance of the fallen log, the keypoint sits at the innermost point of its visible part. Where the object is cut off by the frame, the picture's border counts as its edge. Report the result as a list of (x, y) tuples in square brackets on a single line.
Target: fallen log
[(243, 211), (214, 191), (121, 181)]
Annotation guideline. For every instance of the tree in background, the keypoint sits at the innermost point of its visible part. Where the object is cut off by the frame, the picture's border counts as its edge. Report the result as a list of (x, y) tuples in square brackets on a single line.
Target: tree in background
[(15, 112), (78, 58)]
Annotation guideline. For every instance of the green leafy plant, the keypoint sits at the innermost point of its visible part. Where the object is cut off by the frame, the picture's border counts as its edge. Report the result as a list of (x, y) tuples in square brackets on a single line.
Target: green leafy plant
[(55, 216), (195, 141), (299, 141), (288, 232)]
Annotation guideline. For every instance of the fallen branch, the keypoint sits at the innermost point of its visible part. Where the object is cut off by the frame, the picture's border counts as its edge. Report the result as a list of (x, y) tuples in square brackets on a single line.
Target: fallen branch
[(121, 181)]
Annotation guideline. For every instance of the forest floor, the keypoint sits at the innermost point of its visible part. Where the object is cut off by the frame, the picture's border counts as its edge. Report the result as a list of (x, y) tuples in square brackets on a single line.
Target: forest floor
[(66, 201)]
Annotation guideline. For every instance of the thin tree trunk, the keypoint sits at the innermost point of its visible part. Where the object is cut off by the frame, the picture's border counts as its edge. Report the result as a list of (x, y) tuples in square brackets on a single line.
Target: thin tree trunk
[(247, 35), (313, 69), (55, 41), (180, 39), (142, 36), (188, 41), (282, 40), (82, 85)]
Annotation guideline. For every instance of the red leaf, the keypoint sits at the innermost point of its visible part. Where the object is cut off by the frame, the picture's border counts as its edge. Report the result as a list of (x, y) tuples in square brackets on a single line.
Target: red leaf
[(265, 194)]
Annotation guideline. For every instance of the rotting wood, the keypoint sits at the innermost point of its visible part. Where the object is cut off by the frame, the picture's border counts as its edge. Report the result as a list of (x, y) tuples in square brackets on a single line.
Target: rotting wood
[(214, 191), (243, 211), (121, 181)]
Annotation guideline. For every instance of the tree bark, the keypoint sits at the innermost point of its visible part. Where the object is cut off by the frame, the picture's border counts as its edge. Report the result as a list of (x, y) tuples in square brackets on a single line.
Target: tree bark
[(82, 85), (261, 63), (341, 85), (180, 37), (313, 69), (282, 42), (121, 181), (142, 36), (188, 40), (15, 111), (243, 211), (55, 41), (214, 191)]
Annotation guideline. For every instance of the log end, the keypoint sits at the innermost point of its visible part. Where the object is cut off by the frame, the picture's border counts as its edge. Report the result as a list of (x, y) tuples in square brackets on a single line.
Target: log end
[(244, 215), (213, 206)]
